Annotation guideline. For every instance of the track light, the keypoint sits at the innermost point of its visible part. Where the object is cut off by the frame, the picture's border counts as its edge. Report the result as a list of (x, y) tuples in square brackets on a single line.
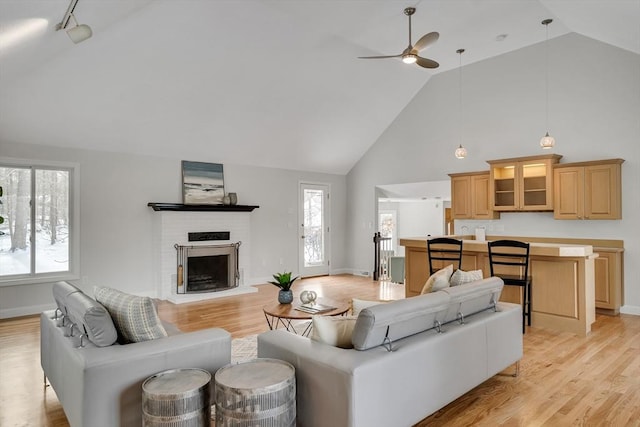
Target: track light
[(79, 32)]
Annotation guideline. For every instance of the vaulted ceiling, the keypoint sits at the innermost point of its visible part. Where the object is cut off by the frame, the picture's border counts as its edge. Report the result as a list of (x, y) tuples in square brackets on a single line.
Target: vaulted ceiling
[(274, 83)]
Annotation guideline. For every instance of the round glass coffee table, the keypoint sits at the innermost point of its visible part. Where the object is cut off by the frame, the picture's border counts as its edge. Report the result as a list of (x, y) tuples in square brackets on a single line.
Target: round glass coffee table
[(288, 315)]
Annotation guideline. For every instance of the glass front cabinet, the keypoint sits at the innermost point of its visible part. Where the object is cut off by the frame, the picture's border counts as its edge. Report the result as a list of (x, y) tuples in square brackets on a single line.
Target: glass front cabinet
[(522, 184)]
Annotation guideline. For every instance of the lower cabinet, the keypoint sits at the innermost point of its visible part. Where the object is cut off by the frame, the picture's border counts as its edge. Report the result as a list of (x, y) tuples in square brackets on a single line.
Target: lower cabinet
[(608, 279)]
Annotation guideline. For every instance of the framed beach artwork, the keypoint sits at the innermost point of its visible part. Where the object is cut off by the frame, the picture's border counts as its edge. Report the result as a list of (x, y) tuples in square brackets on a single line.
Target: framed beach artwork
[(202, 183)]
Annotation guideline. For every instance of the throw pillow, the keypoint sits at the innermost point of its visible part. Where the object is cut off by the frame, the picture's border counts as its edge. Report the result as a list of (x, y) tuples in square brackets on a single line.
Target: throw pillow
[(358, 305), (333, 330), (460, 277), (134, 317), (438, 280)]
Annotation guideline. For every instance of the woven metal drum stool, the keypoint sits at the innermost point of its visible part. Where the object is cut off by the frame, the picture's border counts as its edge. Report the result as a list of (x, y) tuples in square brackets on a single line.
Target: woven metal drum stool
[(177, 398), (259, 392)]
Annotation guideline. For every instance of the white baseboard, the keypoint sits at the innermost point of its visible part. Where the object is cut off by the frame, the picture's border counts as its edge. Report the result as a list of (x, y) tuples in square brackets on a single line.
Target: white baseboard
[(341, 271), (8, 313), (630, 309)]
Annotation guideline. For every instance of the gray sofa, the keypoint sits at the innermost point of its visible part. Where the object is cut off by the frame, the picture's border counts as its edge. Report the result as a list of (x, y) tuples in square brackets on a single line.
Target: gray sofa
[(426, 369), (101, 386)]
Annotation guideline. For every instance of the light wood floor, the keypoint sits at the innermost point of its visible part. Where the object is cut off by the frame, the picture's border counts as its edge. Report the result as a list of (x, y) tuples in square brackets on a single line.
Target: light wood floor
[(564, 380)]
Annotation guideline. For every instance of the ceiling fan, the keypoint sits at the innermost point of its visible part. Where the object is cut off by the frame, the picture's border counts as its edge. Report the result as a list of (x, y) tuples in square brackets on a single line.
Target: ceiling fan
[(410, 54)]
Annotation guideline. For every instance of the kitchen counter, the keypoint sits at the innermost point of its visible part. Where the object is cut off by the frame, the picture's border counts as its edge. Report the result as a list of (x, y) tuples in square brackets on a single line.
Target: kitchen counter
[(538, 249), (563, 289)]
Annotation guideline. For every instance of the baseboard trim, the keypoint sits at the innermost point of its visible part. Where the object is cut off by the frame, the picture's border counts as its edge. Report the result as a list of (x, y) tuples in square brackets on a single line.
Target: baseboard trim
[(8, 313), (630, 309)]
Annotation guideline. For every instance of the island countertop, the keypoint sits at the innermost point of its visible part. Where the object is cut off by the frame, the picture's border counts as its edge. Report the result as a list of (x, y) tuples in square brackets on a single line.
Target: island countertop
[(563, 278), (536, 249)]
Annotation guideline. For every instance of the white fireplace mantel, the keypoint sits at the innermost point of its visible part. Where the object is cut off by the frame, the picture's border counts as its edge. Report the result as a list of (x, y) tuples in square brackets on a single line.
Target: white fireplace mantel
[(172, 226)]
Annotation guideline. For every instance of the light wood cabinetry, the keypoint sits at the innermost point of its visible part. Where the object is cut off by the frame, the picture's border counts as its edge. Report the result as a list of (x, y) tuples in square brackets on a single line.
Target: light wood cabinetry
[(588, 190), (608, 279), (563, 280), (470, 196), (522, 184)]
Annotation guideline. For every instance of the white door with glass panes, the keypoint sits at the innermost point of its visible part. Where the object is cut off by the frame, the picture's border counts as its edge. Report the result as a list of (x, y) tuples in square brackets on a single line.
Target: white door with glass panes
[(314, 209)]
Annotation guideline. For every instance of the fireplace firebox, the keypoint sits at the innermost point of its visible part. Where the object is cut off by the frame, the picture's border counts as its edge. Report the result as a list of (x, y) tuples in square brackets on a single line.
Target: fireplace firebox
[(207, 268)]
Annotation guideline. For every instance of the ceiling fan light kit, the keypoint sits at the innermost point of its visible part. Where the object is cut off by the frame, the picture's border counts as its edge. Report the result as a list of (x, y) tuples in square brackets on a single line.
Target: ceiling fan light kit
[(409, 58), (410, 54), (547, 142)]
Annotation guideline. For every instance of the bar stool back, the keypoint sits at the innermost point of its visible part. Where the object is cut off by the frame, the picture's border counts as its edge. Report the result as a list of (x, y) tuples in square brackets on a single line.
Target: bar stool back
[(444, 249), (513, 256)]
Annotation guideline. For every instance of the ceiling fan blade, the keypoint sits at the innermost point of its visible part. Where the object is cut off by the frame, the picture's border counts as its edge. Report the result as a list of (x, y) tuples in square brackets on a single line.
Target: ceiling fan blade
[(426, 63), (379, 57), (426, 40)]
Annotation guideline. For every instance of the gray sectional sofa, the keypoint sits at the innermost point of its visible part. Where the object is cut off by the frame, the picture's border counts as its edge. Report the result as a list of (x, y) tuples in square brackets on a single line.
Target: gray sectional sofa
[(98, 383), (411, 357)]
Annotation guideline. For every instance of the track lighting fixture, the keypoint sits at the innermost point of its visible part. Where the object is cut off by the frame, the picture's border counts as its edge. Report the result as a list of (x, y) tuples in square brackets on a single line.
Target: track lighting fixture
[(79, 32)]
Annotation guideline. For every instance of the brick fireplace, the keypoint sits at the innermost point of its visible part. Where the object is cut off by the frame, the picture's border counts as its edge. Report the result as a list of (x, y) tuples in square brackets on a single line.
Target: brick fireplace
[(171, 228)]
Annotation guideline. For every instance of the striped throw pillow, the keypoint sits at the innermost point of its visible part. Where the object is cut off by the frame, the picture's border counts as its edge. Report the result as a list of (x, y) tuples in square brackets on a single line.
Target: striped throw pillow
[(134, 317)]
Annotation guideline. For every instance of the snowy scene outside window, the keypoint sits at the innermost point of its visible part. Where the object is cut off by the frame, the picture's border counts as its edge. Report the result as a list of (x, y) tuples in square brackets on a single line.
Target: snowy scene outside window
[(34, 237), (313, 224)]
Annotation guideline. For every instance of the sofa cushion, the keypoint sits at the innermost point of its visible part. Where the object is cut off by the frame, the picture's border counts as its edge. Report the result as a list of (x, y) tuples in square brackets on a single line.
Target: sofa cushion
[(461, 277), (333, 330), (472, 297), (398, 319), (438, 280), (135, 317), (61, 291), (92, 319)]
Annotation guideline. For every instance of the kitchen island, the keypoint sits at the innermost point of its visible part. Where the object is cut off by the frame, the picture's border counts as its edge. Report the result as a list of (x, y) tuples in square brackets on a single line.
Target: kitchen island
[(563, 289)]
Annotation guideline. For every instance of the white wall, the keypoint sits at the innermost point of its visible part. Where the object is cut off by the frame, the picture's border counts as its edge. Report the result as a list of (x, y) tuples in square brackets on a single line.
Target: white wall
[(116, 224), (421, 218), (594, 110)]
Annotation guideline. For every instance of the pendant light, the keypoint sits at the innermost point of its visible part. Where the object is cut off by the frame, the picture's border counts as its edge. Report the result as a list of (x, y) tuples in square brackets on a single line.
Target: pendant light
[(547, 141), (460, 152)]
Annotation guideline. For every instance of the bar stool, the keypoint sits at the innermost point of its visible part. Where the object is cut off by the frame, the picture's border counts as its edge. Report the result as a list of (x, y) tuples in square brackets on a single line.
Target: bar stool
[(444, 249), (512, 253)]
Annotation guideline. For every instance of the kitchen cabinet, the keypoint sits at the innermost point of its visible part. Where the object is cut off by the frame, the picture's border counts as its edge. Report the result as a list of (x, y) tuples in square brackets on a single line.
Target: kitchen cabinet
[(522, 184), (470, 196), (588, 190), (563, 280), (608, 279)]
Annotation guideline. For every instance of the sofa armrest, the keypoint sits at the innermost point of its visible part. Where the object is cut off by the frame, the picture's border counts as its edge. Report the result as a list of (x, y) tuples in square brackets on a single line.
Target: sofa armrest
[(324, 375), (106, 383)]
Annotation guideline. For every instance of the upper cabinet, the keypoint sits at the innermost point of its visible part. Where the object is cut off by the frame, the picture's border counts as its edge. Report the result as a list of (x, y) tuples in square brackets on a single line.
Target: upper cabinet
[(588, 190), (522, 184), (470, 196)]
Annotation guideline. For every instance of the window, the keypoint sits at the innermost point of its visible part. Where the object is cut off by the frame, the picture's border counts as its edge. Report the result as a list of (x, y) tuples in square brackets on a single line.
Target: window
[(387, 225), (36, 233)]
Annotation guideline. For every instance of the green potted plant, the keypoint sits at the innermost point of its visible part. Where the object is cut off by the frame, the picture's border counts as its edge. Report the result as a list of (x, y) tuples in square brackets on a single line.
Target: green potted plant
[(284, 282)]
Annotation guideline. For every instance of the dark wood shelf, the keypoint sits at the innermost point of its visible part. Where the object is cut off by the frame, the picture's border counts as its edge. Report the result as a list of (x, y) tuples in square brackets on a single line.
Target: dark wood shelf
[(200, 208)]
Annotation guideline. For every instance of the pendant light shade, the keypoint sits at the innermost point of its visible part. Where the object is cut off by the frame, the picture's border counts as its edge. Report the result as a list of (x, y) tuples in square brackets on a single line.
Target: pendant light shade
[(460, 152), (547, 142)]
